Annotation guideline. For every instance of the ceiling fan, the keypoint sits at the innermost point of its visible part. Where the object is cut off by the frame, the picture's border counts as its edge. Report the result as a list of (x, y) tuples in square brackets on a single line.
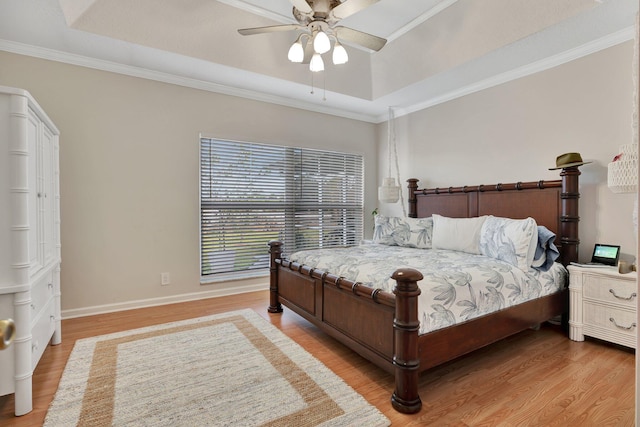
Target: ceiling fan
[(318, 21)]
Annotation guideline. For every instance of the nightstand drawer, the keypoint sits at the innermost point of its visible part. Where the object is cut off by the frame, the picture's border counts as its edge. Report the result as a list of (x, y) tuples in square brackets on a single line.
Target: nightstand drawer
[(603, 305), (609, 323), (609, 290)]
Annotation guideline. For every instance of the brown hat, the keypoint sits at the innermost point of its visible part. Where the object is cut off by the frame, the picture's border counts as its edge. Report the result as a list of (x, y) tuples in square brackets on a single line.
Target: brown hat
[(568, 160)]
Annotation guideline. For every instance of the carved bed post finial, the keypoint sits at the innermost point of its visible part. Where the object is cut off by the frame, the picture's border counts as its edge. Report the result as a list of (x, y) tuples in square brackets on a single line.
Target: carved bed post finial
[(406, 326), (570, 215), (413, 186), (275, 251)]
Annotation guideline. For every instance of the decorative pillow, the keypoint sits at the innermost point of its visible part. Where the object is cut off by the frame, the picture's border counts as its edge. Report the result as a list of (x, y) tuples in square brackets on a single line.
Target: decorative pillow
[(510, 240), (457, 234), (409, 232)]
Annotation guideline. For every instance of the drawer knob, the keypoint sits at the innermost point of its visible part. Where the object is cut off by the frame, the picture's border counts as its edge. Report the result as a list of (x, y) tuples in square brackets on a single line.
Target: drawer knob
[(627, 328), (629, 298)]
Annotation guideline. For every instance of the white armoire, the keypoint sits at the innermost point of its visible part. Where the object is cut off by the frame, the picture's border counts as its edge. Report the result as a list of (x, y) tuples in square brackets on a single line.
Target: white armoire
[(29, 239)]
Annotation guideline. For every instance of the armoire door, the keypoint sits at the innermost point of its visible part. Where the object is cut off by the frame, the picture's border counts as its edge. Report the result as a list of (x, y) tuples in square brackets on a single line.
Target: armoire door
[(47, 195), (33, 208), (41, 194)]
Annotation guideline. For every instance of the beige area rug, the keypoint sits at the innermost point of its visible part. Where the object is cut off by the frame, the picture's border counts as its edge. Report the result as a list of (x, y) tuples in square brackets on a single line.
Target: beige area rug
[(232, 369)]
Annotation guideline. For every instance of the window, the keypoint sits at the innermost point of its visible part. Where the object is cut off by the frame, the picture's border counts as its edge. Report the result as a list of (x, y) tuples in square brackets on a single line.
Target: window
[(252, 193)]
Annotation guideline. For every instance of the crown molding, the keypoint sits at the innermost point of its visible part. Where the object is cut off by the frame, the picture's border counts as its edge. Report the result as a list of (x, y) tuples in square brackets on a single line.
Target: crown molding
[(420, 19), (260, 11), (144, 73), (602, 43), (611, 40)]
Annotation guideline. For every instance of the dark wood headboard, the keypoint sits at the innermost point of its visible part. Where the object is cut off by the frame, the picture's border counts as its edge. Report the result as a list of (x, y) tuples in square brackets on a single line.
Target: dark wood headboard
[(553, 204)]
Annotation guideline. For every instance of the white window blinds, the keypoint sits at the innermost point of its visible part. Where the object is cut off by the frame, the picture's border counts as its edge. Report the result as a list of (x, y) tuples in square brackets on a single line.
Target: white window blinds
[(252, 193)]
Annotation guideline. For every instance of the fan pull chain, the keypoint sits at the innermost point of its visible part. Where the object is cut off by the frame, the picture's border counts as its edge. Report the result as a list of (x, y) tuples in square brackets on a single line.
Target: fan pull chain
[(311, 82), (324, 86)]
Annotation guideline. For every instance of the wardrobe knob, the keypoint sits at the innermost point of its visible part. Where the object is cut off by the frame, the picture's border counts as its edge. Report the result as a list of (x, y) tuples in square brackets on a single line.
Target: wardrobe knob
[(7, 332)]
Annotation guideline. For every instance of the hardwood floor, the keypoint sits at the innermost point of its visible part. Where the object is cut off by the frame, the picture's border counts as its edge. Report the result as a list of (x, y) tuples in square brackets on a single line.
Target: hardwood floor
[(536, 378)]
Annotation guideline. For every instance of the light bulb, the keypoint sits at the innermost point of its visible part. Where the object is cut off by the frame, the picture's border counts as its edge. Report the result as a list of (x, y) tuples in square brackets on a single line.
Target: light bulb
[(316, 64), (339, 54), (321, 43), (296, 52)]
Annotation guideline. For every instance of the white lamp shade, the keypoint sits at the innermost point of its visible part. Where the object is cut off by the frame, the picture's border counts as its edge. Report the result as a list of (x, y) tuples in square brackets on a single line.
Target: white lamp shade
[(316, 64), (389, 192), (296, 52), (339, 54), (321, 43)]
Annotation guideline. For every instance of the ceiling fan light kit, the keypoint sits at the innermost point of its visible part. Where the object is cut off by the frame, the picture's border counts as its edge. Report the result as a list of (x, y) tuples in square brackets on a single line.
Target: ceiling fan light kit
[(316, 64), (339, 54), (317, 21), (296, 52), (321, 42)]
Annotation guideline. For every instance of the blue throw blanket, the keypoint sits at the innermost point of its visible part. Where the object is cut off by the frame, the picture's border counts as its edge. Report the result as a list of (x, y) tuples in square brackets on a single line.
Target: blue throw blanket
[(546, 251)]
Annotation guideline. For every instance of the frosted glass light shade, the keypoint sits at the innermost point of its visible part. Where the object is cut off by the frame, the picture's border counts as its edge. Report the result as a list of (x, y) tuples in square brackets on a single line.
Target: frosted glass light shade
[(296, 52), (389, 192), (316, 64), (321, 43), (339, 54)]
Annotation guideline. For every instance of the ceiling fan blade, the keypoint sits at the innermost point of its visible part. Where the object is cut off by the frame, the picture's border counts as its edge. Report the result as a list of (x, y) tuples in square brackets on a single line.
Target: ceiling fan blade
[(358, 37), (350, 7), (302, 6), (271, 29)]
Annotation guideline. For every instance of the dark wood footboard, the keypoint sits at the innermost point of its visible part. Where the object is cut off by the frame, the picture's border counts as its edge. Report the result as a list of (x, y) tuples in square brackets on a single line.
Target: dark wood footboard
[(380, 326), (359, 316)]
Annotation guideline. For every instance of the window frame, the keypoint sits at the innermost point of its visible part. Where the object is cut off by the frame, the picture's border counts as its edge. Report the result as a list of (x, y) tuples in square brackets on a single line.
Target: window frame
[(350, 215)]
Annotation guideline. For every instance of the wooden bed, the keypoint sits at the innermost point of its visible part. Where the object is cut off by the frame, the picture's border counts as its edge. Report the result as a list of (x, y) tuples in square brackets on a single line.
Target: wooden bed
[(383, 327)]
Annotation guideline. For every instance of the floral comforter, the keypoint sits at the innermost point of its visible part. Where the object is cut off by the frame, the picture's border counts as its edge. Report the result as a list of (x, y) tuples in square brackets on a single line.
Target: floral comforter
[(456, 287)]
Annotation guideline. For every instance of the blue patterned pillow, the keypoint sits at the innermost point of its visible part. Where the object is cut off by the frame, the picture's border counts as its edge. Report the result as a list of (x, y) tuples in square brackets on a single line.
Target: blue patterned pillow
[(408, 232), (510, 240)]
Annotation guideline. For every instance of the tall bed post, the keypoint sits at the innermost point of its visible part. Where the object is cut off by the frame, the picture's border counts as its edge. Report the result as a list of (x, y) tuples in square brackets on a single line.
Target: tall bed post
[(406, 326), (275, 251), (570, 216), (413, 208)]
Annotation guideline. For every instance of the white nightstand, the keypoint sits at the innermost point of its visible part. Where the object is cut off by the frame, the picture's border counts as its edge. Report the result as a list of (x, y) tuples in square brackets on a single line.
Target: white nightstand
[(603, 305)]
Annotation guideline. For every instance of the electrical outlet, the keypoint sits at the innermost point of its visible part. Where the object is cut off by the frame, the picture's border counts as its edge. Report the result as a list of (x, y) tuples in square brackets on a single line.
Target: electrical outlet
[(165, 279)]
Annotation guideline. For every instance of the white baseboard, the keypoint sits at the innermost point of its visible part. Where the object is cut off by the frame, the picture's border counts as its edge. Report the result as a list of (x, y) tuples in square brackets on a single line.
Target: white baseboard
[(152, 302)]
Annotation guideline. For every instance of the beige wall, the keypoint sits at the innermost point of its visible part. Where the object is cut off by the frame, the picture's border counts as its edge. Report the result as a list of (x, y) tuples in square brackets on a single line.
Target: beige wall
[(129, 161), (513, 132), (129, 174)]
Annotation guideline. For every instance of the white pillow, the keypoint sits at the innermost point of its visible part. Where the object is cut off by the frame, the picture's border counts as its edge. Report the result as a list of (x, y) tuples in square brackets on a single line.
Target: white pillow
[(510, 240), (457, 234), (409, 232)]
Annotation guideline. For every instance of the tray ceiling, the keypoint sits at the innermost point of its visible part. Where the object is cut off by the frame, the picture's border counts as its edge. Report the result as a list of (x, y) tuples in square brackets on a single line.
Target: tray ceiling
[(436, 50)]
